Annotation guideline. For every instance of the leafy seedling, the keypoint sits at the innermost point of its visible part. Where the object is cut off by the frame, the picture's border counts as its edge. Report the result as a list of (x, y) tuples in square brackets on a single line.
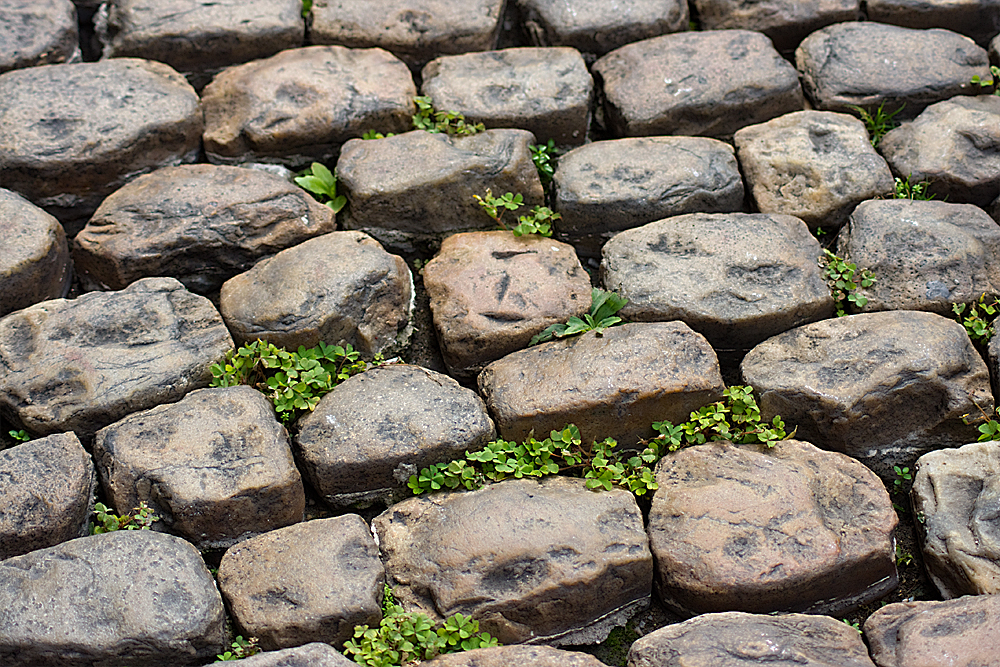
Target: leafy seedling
[(603, 306), (372, 134), (322, 183), (142, 518), (992, 83), (431, 120), (903, 476), (903, 557), (878, 123), (239, 649), (539, 221), (845, 281), (904, 189), (544, 155), (20, 435), (979, 328)]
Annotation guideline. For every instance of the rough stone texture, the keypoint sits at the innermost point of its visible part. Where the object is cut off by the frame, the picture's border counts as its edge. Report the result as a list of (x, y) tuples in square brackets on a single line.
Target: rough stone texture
[(735, 278), (867, 64), (696, 83), (883, 388), (978, 19), (46, 494), (523, 656), (201, 224), (792, 528), (953, 144), (302, 105), (364, 440), (37, 32), (994, 51), (956, 492), (122, 598), (926, 255), (35, 264), (316, 654), (532, 561), (305, 583), (786, 23), (413, 30), (607, 186), (412, 190), (339, 288), (954, 633), (737, 639), (546, 91), (615, 385), (81, 365), (815, 165), (490, 292)]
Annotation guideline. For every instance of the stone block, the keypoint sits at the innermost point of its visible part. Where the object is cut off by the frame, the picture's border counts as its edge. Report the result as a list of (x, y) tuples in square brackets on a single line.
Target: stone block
[(38, 32), (523, 656), (35, 265), (786, 23), (315, 654), (977, 19)]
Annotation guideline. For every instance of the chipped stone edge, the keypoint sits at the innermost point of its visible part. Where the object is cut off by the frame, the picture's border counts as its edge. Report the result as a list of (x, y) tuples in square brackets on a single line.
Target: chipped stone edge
[(597, 630)]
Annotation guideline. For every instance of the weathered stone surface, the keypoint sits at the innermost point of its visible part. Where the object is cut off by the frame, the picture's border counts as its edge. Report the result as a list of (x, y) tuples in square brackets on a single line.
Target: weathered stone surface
[(955, 145), (81, 365), (791, 528), (216, 467), (413, 30), (737, 639), (607, 186), (615, 385), (342, 287), (303, 104), (954, 633), (867, 64), (364, 440), (523, 656), (696, 83), (977, 19), (305, 583), (122, 598), (37, 32), (412, 190), (994, 51), (815, 165), (46, 495), (735, 278), (955, 493), (490, 292), (35, 264), (533, 561), (786, 23), (201, 224), (546, 91), (883, 388), (927, 255), (316, 654)]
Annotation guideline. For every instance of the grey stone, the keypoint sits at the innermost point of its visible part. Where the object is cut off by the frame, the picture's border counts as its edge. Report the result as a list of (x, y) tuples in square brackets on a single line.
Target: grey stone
[(315, 654), (613, 385), (37, 32), (411, 190), (608, 186), (978, 19), (953, 145), (301, 105), (365, 439), (791, 528), (35, 263), (867, 64), (815, 165), (696, 83), (201, 224), (490, 292), (536, 561), (81, 365), (305, 583), (146, 115), (523, 656), (735, 278), (994, 51), (117, 599), (46, 493), (884, 388), (339, 288), (786, 23), (926, 255)]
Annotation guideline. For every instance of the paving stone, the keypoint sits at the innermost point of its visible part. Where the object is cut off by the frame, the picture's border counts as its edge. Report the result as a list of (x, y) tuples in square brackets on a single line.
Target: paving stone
[(46, 494), (364, 440), (83, 364), (884, 388), (614, 385), (537, 561), (146, 115), (708, 83), (735, 278), (316, 654), (867, 64), (35, 263), (815, 165), (608, 186), (310, 582), (490, 292), (994, 51), (411, 190), (301, 105), (953, 145), (524, 656), (786, 23), (37, 32), (926, 255), (975, 18), (339, 288), (120, 598), (202, 224)]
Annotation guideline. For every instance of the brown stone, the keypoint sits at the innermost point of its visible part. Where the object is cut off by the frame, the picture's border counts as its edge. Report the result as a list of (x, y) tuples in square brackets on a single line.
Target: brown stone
[(315, 654), (786, 23), (35, 264), (37, 32), (523, 656), (978, 19)]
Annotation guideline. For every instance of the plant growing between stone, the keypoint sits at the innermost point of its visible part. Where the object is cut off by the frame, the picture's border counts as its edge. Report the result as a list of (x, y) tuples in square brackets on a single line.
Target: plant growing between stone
[(372, 134), (914, 191), (903, 557), (431, 120), (878, 123), (544, 155), (539, 221), (322, 183), (903, 476), (19, 436), (239, 649), (982, 83), (603, 306), (845, 281), (142, 518), (979, 328)]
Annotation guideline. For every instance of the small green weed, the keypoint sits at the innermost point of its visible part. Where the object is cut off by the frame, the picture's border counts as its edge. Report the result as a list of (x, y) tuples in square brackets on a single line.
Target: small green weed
[(307, 6), (322, 183), (982, 83), (903, 477), (544, 156), (19, 436), (429, 119), (915, 191), (853, 624), (239, 649), (878, 123), (989, 429), (603, 306), (979, 328), (372, 134), (539, 221), (107, 521), (903, 557), (845, 281)]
